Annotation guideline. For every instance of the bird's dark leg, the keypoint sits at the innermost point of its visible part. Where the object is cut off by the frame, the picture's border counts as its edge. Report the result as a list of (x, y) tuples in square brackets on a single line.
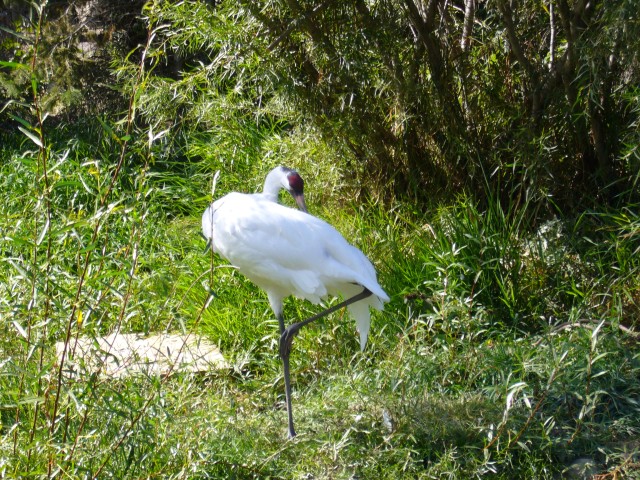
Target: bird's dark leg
[(287, 380), (285, 346), (281, 323), (287, 393), (287, 337)]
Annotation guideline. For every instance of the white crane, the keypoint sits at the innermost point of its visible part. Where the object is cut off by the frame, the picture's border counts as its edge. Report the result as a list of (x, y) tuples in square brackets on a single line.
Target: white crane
[(289, 252)]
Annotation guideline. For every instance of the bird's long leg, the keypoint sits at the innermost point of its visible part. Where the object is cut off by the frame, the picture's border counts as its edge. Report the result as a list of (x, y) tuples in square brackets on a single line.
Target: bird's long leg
[(285, 347), (287, 381), (292, 330), (287, 393), (281, 323)]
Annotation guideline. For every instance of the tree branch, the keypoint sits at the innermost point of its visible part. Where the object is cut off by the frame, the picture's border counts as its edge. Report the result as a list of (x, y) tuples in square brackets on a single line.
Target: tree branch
[(307, 16), (514, 41), (469, 16), (552, 36)]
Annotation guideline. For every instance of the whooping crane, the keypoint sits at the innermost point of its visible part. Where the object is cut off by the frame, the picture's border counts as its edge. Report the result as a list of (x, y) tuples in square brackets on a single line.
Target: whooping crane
[(289, 252)]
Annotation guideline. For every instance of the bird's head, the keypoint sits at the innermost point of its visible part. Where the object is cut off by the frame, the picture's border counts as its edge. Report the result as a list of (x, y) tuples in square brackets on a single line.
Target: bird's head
[(289, 180)]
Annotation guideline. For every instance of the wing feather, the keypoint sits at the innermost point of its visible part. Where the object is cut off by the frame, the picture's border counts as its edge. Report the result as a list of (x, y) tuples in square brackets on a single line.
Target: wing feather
[(285, 249)]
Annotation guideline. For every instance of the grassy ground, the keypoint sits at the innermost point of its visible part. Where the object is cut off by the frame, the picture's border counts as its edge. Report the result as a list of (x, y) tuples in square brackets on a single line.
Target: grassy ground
[(504, 352)]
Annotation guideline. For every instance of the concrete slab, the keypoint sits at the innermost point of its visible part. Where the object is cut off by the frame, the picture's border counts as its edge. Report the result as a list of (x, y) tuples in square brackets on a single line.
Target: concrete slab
[(123, 354)]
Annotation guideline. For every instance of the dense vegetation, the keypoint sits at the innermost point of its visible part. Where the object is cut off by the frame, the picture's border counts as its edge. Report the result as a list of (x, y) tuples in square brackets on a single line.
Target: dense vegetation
[(484, 155)]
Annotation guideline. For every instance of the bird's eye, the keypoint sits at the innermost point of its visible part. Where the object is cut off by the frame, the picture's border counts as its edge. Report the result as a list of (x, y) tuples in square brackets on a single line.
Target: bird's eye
[(295, 182)]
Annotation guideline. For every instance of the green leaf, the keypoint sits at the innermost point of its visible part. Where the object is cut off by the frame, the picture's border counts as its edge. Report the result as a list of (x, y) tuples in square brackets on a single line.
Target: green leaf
[(33, 137), (20, 330), (43, 233), (12, 64), (22, 121), (15, 34), (107, 128)]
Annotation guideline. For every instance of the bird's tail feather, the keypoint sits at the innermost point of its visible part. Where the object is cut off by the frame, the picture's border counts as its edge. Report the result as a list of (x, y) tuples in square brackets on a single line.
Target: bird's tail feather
[(362, 316)]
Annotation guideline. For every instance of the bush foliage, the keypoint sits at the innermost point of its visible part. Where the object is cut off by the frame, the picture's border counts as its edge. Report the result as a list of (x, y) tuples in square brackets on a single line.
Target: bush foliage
[(425, 98), (484, 155)]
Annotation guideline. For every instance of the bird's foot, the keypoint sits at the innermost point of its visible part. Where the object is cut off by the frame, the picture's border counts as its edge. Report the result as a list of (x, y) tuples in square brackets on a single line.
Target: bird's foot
[(286, 339)]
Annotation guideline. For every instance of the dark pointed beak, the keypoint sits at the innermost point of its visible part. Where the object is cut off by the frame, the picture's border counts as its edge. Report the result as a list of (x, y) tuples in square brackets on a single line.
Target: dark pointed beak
[(299, 198)]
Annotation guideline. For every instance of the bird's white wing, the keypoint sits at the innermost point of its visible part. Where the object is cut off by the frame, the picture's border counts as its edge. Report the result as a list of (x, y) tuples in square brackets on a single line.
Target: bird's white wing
[(276, 246), (257, 237), (344, 261)]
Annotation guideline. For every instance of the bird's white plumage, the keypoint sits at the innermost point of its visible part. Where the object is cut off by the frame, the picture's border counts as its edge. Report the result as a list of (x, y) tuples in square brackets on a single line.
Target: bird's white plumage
[(289, 252)]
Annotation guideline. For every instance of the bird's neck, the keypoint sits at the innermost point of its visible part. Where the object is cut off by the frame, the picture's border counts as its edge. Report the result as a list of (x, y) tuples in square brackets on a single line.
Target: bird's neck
[(271, 189)]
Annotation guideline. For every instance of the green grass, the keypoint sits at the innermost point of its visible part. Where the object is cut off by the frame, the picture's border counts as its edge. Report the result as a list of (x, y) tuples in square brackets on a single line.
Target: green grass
[(508, 349), (467, 372)]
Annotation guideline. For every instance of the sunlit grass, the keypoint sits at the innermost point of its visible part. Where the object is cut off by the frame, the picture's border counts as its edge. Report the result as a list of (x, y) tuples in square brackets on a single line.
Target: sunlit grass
[(508, 349), (499, 354)]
